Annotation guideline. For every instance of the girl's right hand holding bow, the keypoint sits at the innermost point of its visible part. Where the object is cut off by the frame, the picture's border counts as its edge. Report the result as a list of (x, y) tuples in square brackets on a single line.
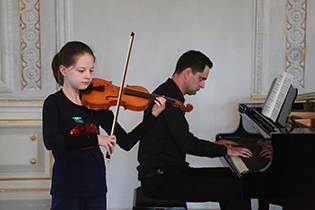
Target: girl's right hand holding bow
[(109, 142)]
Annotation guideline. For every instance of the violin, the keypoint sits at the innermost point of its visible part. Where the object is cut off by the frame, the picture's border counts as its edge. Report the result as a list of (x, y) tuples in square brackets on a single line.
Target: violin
[(102, 94)]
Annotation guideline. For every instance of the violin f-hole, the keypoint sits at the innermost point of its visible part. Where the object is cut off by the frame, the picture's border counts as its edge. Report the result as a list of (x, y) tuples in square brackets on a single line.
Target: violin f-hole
[(110, 97)]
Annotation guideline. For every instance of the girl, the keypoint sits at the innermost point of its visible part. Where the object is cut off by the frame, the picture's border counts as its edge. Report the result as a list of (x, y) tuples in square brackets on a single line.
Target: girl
[(71, 131)]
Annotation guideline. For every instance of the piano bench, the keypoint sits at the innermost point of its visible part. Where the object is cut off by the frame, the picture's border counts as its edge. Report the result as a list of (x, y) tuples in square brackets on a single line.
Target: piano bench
[(142, 202)]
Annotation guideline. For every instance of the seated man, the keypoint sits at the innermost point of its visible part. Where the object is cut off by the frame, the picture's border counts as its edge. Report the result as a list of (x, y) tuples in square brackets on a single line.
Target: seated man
[(163, 170)]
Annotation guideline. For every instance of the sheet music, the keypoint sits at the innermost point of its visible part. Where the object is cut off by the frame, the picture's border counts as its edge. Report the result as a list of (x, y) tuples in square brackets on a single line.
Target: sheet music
[(277, 96)]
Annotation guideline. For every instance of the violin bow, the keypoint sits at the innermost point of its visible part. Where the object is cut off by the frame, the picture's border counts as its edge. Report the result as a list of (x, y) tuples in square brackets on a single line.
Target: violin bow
[(121, 88)]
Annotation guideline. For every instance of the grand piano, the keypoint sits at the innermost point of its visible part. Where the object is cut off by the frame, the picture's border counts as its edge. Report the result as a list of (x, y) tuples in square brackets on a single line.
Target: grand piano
[(282, 168)]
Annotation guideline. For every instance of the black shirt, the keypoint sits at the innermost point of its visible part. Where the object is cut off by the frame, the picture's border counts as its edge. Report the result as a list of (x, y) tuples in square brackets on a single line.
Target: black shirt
[(79, 168), (167, 143)]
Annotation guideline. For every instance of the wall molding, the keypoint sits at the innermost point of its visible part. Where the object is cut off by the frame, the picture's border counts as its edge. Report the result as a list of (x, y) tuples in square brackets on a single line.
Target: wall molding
[(295, 42), (258, 48), (64, 22), (30, 44), (6, 46)]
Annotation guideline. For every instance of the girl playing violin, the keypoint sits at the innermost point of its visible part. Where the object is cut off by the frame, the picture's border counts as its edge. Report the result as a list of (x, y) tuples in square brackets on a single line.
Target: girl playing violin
[(71, 131)]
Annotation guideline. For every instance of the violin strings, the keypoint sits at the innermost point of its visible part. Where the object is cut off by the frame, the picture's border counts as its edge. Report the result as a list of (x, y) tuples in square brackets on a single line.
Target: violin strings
[(129, 91)]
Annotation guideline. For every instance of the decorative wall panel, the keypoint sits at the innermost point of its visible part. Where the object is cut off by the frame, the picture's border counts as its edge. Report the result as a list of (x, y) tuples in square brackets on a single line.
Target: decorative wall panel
[(25, 164), (32, 160), (295, 42), (279, 44), (30, 44), (24, 33), (25, 80)]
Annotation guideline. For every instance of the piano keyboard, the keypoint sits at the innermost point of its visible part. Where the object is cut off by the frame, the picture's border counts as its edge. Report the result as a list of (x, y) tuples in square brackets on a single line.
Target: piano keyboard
[(239, 165), (255, 163)]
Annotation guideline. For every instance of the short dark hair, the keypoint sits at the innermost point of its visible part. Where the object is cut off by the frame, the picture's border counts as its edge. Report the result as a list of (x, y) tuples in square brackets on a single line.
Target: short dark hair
[(196, 60), (68, 56)]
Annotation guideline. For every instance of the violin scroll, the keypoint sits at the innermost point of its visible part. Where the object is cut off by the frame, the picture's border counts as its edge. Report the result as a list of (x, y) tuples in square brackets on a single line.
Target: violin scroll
[(187, 108)]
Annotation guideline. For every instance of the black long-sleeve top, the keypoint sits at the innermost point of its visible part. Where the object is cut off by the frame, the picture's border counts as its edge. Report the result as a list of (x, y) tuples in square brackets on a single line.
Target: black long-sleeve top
[(79, 168), (167, 143)]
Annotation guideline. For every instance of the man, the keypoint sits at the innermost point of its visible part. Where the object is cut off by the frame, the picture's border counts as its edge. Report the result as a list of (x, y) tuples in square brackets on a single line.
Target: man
[(163, 170)]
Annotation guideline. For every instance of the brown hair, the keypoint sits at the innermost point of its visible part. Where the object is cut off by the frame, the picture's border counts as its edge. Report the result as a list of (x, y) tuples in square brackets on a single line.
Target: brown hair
[(67, 56), (196, 60)]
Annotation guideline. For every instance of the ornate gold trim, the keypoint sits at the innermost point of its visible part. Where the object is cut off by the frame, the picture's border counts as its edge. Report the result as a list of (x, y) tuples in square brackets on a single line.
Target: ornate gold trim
[(16, 179), (20, 121), (258, 99), (14, 190), (307, 96), (51, 161), (22, 100), (296, 41), (30, 44)]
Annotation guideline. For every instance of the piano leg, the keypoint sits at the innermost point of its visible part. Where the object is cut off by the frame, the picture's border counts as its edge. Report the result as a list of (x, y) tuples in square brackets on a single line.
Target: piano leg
[(263, 205)]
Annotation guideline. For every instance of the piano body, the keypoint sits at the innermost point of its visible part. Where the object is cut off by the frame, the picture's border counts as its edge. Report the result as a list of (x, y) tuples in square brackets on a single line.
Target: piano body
[(285, 173)]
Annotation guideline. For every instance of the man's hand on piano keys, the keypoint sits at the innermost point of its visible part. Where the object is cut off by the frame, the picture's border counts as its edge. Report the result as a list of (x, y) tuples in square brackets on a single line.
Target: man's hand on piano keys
[(234, 151)]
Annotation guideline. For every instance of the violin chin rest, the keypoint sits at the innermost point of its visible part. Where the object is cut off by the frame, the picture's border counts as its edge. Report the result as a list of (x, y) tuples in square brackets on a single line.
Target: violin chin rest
[(88, 89)]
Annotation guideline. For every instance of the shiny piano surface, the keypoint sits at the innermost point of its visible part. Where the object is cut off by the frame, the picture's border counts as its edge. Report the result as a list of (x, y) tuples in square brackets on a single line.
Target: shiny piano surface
[(286, 174)]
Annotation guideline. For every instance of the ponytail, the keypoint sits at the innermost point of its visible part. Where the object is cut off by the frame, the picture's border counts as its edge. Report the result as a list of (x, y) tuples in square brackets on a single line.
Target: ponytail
[(55, 68)]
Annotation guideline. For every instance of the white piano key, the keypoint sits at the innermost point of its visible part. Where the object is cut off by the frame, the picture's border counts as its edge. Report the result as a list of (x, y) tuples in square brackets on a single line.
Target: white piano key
[(239, 165)]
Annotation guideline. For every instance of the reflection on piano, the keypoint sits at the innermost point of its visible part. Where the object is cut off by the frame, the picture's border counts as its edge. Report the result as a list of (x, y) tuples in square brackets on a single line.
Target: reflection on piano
[(282, 168)]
